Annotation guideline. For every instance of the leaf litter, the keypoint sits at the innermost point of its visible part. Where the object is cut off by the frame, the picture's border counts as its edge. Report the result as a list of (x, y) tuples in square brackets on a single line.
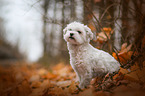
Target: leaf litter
[(34, 80)]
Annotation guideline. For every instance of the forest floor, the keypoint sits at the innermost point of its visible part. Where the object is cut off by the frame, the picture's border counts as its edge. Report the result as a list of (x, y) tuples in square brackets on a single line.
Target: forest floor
[(22, 79)]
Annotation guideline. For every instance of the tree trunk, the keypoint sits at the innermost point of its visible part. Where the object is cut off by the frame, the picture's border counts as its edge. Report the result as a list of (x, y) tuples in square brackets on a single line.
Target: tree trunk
[(118, 26), (45, 8)]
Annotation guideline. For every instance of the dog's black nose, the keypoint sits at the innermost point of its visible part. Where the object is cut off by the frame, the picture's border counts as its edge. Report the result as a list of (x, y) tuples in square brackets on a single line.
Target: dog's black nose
[(71, 34)]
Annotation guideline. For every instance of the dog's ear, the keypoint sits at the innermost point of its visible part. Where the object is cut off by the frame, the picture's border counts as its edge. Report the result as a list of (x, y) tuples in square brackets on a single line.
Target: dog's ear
[(64, 30), (89, 32)]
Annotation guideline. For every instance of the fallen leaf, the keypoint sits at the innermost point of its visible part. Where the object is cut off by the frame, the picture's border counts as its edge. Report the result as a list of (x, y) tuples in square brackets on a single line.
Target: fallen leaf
[(43, 89), (103, 93), (35, 84), (134, 85), (104, 35), (121, 88), (87, 92), (64, 83), (135, 75), (49, 76), (42, 71), (124, 55), (34, 78), (72, 87), (123, 47)]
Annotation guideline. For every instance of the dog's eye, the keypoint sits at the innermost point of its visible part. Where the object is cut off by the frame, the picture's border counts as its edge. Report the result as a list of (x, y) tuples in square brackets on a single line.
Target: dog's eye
[(79, 32), (70, 29)]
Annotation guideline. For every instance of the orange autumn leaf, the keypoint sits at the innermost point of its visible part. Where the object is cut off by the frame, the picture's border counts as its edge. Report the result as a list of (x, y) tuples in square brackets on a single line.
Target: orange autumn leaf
[(87, 92), (64, 83), (72, 87), (103, 93), (34, 78), (106, 29), (42, 71), (22, 90), (60, 81), (91, 27), (104, 35), (62, 69), (40, 91), (49, 76), (124, 45), (135, 74), (35, 84), (125, 48), (56, 92), (125, 54)]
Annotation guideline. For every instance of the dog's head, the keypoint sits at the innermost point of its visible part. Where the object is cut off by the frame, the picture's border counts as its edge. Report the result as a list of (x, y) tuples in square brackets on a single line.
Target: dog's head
[(77, 33)]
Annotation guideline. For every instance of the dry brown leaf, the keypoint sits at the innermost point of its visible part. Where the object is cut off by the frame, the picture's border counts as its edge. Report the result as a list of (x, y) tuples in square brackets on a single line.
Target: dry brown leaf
[(22, 89), (58, 66), (106, 29), (124, 55), (72, 87), (34, 78), (49, 76), (125, 50), (64, 83), (123, 82), (19, 76), (40, 91), (91, 26), (34, 81), (87, 92), (104, 35), (135, 75), (103, 93), (121, 88), (35, 84), (42, 71), (134, 85), (58, 92), (126, 93), (124, 45)]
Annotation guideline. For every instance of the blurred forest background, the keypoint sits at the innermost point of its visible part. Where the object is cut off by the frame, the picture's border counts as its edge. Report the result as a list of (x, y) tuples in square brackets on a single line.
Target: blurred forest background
[(31, 30)]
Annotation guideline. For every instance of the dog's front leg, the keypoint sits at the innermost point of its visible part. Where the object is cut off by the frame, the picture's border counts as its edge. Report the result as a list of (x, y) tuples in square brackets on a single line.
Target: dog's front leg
[(85, 81), (78, 77)]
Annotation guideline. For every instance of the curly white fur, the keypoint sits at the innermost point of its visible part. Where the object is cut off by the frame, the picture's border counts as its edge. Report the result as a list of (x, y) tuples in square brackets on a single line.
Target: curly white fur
[(87, 61)]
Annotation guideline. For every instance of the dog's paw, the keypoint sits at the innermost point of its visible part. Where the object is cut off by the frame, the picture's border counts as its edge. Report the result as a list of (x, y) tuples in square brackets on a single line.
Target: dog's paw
[(82, 86)]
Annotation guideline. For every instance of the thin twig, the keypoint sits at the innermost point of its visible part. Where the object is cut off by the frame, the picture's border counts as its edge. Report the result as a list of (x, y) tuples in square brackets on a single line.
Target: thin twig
[(96, 20), (107, 10)]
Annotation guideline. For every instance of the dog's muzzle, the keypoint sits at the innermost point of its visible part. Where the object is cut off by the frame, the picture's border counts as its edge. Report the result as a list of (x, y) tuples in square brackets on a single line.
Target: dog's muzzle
[(71, 34), (71, 37)]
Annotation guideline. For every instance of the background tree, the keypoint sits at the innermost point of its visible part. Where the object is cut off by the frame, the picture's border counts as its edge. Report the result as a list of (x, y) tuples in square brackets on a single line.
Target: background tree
[(112, 22)]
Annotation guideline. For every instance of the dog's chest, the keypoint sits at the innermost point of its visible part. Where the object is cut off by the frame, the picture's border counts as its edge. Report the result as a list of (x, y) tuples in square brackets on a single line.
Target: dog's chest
[(80, 61)]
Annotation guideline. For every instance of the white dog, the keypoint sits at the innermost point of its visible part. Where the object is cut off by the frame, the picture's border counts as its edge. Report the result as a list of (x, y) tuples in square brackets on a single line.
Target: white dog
[(87, 61)]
